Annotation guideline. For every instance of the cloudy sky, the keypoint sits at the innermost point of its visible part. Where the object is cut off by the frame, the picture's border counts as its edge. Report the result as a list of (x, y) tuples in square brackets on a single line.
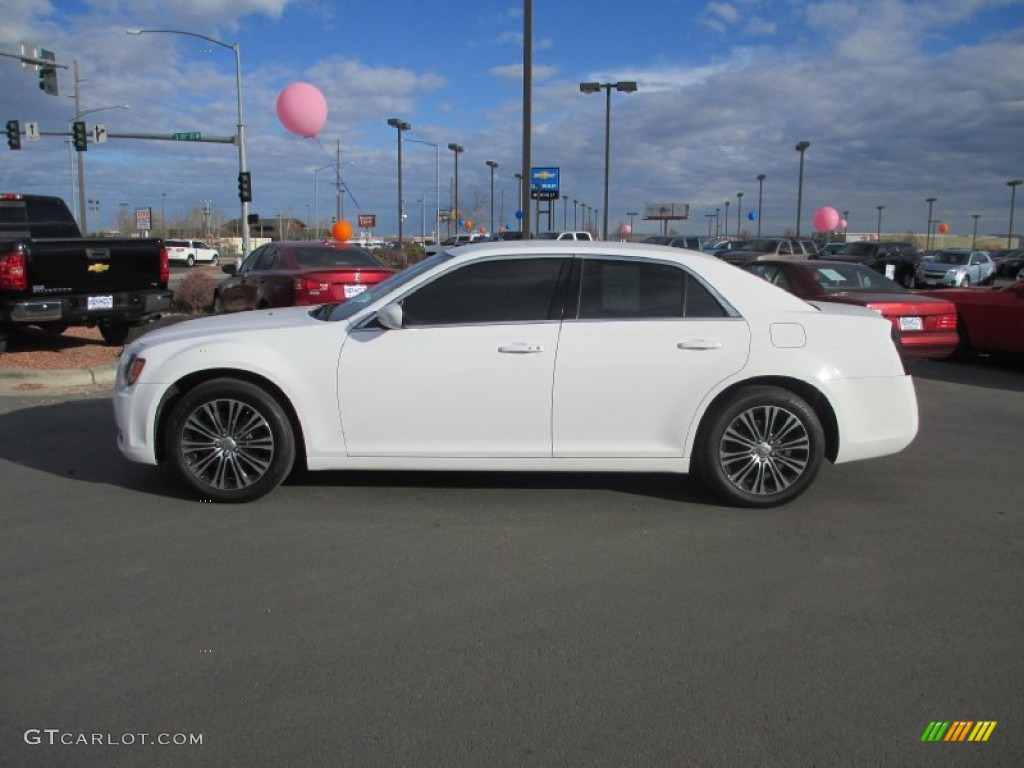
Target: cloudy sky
[(900, 100)]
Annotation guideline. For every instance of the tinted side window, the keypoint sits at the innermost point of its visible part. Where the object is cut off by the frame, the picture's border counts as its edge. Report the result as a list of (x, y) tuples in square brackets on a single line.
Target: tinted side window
[(502, 291), (631, 289), (267, 259), (250, 260)]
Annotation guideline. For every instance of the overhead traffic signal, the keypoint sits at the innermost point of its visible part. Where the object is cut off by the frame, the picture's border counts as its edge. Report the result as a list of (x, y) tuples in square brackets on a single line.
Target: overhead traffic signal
[(78, 137), (48, 75), (14, 134), (245, 187)]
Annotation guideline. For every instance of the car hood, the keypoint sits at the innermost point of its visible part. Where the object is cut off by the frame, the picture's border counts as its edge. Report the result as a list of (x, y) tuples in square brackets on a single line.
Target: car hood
[(240, 323)]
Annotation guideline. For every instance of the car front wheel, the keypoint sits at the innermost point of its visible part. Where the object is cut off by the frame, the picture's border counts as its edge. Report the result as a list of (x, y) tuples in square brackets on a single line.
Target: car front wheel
[(230, 441), (762, 448)]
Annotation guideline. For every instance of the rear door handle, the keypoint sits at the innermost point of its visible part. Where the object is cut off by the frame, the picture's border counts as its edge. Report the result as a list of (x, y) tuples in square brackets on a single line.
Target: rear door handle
[(521, 348), (699, 344)]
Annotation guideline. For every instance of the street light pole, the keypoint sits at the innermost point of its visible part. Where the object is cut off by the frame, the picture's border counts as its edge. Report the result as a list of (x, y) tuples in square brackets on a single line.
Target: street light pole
[(240, 136), (739, 212), (457, 149), (519, 200), (801, 147), (846, 223), (974, 239), (878, 231), (631, 214), (726, 218), (760, 194), (492, 165), (1013, 200), (627, 86), (399, 126), (928, 235)]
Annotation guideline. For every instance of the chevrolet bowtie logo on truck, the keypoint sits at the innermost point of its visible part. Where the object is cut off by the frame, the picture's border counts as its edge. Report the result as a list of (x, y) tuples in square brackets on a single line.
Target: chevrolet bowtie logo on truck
[(99, 267)]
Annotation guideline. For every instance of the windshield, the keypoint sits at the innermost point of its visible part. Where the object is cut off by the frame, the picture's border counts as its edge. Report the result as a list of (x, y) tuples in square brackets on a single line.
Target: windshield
[(761, 245), (949, 257), (854, 278), (346, 309)]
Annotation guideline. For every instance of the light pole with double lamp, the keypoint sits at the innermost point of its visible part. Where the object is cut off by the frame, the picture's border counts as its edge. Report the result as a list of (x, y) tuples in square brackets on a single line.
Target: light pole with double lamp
[(240, 136), (457, 149), (878, 229), (726, 220), (801, 147), (739, 212), (1013, 200), (492, 165), (626, 86), (760, 194), (399, 126), (974, 239)]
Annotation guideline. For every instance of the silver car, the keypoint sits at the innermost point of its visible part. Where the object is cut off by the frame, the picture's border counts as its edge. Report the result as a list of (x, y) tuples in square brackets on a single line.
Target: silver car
[(958, 268)]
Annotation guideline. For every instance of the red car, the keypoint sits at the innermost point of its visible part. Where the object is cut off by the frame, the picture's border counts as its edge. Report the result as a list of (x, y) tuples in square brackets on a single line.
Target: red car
[(926, 324), (991, 320), (295, 273)]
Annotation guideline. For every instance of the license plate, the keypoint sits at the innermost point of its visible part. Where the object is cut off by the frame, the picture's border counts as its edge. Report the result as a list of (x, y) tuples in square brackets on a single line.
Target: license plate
[(100, 302), (911, 324), (353, 290)]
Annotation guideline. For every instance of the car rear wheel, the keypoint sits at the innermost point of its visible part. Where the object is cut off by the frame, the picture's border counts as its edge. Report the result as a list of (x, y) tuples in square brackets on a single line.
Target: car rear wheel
[(215, 260), (218, 304), (190, 261), (114, 332), (230, 441), (762, 448), (965, 282)]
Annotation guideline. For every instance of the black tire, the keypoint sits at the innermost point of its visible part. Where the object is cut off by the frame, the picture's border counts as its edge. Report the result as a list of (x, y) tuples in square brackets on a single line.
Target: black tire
[(190, 260), (218, 304), (114, 332), (761, 448), (215, 260), (3, 344), (964, 350), (965, 282), (230, 441)]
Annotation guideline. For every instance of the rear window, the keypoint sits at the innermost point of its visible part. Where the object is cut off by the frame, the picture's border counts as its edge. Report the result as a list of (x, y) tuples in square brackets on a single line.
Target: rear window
[(321, 258), (176, 243)]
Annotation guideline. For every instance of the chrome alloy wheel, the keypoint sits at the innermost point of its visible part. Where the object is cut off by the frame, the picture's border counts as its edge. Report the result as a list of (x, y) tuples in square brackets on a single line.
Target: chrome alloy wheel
[(764, 450), (227, 444)]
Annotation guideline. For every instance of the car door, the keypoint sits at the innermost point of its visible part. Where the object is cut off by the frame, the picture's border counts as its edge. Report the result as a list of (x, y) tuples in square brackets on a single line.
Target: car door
[(643, 346), (469, 373), (232, 290)]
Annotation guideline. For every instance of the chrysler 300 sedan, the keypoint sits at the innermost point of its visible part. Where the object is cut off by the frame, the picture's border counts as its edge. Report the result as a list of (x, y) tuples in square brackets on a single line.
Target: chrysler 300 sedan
[(533, 355)]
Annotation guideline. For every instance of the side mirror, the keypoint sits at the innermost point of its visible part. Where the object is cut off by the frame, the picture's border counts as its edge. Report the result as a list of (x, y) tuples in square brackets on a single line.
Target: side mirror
[(229, 269), (391, 317)]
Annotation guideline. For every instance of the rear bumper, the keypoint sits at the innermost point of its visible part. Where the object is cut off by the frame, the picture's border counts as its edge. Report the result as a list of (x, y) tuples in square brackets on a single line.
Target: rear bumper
[(74, 310), (933, 345)]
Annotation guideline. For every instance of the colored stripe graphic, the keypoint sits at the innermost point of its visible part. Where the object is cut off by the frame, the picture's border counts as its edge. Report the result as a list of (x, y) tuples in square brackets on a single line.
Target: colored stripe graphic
[(982, 730), (958, 730), (935, 731)]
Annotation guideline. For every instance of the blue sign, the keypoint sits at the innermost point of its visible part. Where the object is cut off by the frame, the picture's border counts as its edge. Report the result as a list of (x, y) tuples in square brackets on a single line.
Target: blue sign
[(544, 184)]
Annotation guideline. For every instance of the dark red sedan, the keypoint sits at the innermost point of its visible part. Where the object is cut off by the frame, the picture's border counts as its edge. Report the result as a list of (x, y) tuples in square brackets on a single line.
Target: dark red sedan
[(926, 324), (295, 273), (991, 320)]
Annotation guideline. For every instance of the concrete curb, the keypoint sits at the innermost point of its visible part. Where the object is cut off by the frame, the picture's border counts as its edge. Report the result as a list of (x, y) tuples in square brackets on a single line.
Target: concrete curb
[(17, 381)]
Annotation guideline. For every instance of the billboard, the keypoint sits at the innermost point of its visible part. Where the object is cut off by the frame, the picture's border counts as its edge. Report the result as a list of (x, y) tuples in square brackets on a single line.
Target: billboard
[(544, 184), (143, 219), (666, 211), (367, 220)]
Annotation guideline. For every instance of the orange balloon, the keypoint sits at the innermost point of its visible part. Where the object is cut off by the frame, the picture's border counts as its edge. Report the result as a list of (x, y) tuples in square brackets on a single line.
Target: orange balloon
[(943, 228), (341, 230), (469, 225)]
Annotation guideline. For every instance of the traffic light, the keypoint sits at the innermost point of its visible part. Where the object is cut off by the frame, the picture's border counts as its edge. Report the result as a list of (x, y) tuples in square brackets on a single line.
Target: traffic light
[(48, 75), (14, 134), (245, 187), (78, 136)]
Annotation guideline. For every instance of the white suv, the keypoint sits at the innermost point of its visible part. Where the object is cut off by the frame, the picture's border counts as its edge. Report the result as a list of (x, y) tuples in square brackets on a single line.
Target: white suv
[(191, 252), (580, 235)]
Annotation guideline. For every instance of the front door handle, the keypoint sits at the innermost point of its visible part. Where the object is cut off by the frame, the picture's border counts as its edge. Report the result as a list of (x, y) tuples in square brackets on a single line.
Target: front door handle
[(699, 344), (521, 348)]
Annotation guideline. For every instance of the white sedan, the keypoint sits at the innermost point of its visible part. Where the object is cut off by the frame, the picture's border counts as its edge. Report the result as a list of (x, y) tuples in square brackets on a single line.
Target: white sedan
[(531, 355)]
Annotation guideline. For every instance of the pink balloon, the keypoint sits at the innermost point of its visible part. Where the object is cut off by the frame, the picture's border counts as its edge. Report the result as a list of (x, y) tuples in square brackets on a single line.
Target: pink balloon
[(842, 224), (302, 109), (625, 229), (826, 219)]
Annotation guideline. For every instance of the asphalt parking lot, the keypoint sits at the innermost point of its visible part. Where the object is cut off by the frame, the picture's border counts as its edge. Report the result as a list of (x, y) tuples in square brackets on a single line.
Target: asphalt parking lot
[(380, 619)]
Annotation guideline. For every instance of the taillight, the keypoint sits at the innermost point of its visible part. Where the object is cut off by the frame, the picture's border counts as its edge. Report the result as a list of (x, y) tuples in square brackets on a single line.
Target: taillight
[(13, 273), (310, 291), (165, 266), (940, 322)]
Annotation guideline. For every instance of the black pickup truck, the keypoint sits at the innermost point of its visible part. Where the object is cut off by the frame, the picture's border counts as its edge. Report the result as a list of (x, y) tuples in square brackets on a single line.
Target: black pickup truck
[(53, 278)]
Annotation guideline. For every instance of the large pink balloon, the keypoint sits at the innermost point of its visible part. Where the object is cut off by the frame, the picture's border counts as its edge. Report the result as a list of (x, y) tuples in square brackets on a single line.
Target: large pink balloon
[(826, 219), (625, 230), (302, 109)]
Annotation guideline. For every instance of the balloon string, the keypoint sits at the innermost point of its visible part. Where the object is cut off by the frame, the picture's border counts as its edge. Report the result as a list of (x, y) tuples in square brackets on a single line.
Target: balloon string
[(334, 164)]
